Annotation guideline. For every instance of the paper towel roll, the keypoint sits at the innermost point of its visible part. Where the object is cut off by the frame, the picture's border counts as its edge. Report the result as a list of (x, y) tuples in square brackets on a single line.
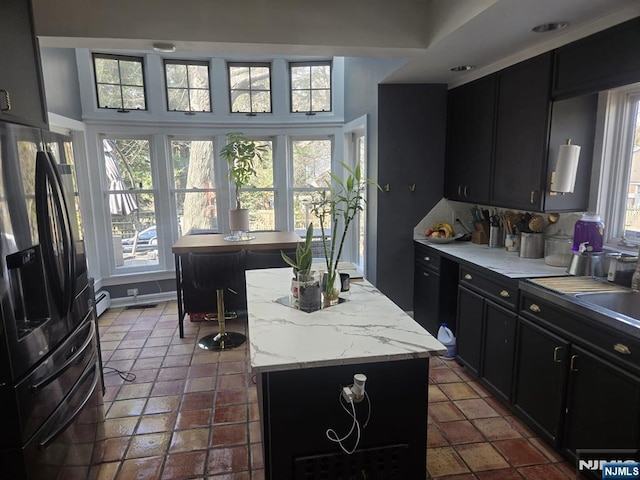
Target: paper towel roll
[(566, 169)]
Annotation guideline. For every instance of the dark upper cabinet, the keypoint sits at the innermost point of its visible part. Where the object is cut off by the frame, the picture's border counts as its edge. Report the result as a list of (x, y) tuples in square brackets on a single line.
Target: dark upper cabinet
[(21, 87), (522, 126), (411, 149), (598, 62), (470, 128)]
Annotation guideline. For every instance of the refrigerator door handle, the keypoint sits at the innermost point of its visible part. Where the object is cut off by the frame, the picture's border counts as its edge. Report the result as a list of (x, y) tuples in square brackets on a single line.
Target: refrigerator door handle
[(45, 442), (48, 188), (43, 383)]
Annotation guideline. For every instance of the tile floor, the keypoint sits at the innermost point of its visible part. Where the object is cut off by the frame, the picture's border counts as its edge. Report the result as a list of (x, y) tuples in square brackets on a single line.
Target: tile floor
[(193, 414)]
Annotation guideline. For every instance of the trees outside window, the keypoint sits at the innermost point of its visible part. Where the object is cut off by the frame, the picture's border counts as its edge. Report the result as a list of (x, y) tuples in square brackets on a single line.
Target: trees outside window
[(187, 86), (119, 82), (250, 87), (310, 86)]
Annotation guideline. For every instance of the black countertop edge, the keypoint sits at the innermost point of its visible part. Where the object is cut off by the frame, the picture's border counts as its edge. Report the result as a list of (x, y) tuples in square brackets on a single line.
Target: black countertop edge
[(575, 305)]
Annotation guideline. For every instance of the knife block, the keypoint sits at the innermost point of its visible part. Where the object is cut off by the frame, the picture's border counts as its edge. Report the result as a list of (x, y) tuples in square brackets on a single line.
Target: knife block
[(481, 234)]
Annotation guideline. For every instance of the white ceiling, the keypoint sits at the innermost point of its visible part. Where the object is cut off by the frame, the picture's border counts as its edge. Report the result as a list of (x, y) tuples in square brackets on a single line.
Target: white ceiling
[(432, 35)]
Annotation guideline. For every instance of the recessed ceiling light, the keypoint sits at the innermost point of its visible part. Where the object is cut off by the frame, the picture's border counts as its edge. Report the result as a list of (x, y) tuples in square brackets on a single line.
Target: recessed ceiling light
[(164, 47), (548, 27), (462, 68)]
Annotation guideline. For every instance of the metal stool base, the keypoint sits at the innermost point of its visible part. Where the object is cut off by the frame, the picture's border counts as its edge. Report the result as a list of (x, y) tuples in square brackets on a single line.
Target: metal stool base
[(225, 341)]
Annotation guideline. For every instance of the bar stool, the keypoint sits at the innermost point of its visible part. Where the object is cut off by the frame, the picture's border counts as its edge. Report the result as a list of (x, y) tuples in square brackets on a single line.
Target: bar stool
[(215, 273)]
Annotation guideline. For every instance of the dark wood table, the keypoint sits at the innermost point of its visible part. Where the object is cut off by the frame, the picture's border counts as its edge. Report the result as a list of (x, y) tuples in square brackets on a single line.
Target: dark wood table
[(259, 249)]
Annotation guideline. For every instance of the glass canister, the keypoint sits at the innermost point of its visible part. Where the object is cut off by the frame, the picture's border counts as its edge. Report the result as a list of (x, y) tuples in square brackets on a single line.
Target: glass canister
[(589, 231), (558, 249)]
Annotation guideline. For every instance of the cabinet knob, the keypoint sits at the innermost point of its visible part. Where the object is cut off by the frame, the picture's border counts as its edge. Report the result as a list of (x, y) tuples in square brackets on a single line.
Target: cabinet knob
[(427, 259), (504, 294), (556, 354), (534, 308), (425, 274), (622, 348), (467, 276), (573, 367), (386, 188), (412, 187), (5, 106)]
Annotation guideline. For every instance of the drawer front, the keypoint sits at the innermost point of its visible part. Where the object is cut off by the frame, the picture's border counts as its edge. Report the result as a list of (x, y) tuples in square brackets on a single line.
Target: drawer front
[(615, 346), (427, 257), (504, 293)]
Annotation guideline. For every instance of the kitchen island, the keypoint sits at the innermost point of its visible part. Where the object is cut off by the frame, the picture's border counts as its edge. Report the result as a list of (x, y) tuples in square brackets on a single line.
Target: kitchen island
[(303, 360)]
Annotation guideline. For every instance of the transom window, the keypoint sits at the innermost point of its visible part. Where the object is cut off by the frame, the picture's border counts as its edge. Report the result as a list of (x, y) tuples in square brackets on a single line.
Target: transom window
[(187, 86), (119, 82), (310, 87), (250, 87)]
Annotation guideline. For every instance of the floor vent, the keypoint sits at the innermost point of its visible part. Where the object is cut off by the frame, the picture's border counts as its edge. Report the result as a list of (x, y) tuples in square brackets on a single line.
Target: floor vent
[(146, 305), (382, 463)]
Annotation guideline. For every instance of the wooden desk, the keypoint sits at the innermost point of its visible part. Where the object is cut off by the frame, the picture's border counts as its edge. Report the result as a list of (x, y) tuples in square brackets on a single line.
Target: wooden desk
[(264, 242)]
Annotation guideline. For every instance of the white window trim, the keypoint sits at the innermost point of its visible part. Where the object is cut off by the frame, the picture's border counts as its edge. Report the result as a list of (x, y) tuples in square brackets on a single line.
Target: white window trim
[(617, 140)]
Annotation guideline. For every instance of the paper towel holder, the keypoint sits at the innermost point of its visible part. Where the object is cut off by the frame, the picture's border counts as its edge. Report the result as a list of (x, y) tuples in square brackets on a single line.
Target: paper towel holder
[(563, 179)]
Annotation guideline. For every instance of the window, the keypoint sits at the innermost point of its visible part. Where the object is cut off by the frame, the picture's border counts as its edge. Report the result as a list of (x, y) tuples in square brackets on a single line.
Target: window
[(310, 87), (187, 86), (250, 87), (259, 198), (119, 82), (131, 202), (311, 174), (194, 185)]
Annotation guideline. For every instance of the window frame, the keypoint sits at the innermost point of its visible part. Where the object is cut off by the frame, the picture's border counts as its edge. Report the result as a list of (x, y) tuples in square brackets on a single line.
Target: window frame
[(118, 58), (201, 63), (251, 113), (328, 63), (616, 163)]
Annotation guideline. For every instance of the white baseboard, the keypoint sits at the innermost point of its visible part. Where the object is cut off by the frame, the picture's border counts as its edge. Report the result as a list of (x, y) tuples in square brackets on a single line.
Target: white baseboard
[(143, 299)]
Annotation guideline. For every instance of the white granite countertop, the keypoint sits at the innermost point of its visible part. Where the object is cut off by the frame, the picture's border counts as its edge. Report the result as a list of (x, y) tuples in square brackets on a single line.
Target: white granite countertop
[(367, 328), (498, 260)]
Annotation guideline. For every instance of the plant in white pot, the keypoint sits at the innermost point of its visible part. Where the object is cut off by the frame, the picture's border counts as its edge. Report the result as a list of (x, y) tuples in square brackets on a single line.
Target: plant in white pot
[(336, 208), (241, 155)]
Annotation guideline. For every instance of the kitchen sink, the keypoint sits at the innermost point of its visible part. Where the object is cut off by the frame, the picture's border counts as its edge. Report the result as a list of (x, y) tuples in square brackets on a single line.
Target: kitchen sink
[(626, 303)]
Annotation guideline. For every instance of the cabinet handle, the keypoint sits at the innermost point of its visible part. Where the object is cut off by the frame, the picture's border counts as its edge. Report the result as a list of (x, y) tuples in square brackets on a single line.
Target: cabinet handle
[(504, 294), (534, 308), (532, 199), (427, 259), (459, 190), (6, 106), (572, 367), (425, 274), (467, 276), (556, 351), (386, 188), (465, 190), (412, 187), (622, 348)]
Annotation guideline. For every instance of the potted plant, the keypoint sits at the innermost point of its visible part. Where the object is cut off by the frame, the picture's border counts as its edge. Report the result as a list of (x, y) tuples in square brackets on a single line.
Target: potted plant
[(305, 285), (337, 207), (241, 155)]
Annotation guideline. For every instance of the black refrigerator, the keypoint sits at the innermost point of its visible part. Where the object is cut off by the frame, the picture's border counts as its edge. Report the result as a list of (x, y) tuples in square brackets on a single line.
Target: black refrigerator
[(50, 368)]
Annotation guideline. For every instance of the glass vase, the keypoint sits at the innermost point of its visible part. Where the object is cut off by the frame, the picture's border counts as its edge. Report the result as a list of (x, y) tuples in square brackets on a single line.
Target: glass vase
[(331, 286), (309, 298)]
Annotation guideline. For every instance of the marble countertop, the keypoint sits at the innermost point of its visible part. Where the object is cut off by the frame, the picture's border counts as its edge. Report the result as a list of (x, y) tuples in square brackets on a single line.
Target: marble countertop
[(498, 260), (367, 328)]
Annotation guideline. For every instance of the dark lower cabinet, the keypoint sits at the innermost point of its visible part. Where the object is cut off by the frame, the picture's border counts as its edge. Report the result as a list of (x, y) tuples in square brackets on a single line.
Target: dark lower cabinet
[(603, 404), (469, 335), (571, 383), (541, 373), (499, 347), (426, 301)]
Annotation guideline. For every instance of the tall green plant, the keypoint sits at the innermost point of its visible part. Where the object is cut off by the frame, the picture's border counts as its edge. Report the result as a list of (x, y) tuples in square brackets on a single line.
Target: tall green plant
[(337, 207), (304, 255), (241, 154)]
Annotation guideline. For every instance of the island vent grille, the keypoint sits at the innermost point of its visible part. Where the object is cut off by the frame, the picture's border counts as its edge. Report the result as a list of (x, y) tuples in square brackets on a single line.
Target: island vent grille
[(384, 463)]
